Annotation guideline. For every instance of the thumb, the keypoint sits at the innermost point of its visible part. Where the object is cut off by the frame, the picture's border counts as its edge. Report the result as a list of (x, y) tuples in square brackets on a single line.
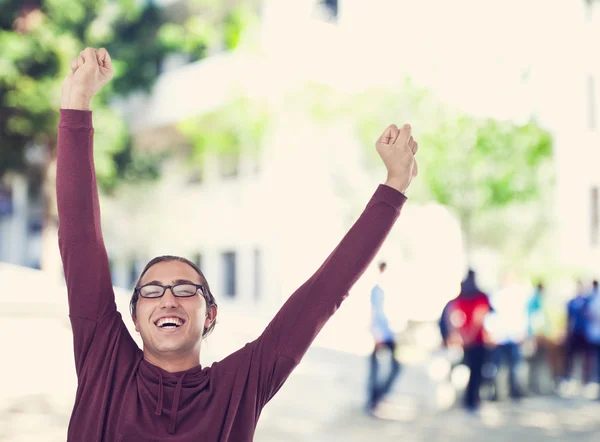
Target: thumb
[(389, 135), (104, 58), (404, 135)]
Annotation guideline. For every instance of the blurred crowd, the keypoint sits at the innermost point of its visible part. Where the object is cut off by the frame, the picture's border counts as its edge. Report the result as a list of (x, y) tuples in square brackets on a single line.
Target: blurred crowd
[(512, 325)]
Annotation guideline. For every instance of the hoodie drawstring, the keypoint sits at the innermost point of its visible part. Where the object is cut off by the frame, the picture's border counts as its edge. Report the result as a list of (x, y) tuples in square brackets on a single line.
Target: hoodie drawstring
[(159, 403), (175, 406)]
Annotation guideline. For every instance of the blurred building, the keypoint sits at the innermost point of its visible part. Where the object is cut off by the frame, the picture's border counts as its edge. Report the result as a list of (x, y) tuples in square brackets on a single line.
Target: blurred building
[(259, 224), (343, 43), (568, 100), (274, 217)]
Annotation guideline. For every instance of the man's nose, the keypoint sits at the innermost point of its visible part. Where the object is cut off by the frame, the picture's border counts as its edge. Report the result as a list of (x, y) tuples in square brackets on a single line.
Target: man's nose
[(169, 299)]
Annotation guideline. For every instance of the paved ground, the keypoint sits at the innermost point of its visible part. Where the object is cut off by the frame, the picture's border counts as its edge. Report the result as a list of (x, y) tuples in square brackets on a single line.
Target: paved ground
[(318, 408), (322, 401)]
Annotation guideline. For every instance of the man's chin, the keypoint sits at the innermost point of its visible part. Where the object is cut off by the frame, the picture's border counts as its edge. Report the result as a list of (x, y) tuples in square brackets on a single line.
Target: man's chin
[(166, 349), (170, 345), (162, 344)]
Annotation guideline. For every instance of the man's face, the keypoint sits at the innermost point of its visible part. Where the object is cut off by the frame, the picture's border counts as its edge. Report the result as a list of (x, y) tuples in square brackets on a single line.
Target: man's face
[(190, 312)]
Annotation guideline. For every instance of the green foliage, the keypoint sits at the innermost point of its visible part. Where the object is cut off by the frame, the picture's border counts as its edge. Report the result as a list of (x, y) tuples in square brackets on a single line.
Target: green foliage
[(194, 37), (38, 44), (237, 21), (236, 127), (496, 176), (321, 101), (376, 108), (472, 164)]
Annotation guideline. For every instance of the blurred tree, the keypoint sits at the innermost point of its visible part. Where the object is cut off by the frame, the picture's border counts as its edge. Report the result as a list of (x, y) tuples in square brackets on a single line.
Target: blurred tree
[(483, 169), (236, 128), (496, 176), (38, 40)]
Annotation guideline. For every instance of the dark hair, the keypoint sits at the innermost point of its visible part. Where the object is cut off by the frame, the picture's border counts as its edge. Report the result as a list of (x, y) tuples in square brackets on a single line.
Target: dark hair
[(208, 296), (382, 266), (595, 283), (469, 287)]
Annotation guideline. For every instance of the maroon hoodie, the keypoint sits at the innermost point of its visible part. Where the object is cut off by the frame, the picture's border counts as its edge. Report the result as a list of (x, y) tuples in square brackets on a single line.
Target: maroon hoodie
[(123, 398)]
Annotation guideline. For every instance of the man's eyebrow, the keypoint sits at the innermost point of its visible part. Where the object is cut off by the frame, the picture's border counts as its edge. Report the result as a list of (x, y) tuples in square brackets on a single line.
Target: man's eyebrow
[(175, 282), (185, 281)]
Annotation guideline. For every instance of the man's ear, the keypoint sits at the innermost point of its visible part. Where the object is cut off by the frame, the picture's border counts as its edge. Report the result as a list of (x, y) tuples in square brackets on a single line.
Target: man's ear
[(211, 316), (133, 318)]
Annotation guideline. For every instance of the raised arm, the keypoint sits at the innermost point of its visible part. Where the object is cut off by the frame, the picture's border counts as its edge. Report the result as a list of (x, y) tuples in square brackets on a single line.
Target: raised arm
[(80, 240), (289, 335)]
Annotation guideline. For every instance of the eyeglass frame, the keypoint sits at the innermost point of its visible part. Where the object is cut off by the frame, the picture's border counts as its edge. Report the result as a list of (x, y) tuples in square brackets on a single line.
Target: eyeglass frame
[(165, 287)]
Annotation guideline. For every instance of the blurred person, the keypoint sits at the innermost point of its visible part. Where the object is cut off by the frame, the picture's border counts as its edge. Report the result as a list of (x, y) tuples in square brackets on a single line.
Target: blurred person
[(506, 326), (467, 316), (444, 323), (385, 342), (162, 392), (576, 343), (544, 324), (592, 315)]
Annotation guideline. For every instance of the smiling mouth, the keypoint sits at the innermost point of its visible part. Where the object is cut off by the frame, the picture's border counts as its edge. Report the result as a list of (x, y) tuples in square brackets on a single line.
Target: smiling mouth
[(170, 323)]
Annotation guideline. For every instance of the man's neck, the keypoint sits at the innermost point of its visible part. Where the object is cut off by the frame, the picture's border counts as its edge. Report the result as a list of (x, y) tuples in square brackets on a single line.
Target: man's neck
[(173, 363)]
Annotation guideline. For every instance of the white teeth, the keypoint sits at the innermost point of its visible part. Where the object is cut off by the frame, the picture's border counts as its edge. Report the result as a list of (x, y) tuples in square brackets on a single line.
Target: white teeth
[(172, 320)]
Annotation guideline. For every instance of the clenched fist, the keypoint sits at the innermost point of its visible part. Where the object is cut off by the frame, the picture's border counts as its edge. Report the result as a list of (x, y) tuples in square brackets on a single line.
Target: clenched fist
[(91, 70), (397, 149)]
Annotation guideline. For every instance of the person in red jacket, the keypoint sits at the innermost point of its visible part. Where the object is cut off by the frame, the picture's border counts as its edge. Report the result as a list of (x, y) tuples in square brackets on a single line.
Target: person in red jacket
[(467, 315), (162, 392)]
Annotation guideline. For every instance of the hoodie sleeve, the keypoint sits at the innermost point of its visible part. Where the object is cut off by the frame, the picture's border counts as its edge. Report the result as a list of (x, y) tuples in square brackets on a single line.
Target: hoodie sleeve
[(84, 257), (286, 339)]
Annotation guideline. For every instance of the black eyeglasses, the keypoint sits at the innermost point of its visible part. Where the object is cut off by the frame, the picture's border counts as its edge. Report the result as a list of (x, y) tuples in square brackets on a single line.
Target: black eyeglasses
[(186, 290)]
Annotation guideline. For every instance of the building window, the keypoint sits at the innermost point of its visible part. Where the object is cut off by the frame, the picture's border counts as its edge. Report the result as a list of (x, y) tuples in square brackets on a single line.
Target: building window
[(589, 13), (196, 176), (229, 273), (133, 272), (6, 201), (112, 269), (229, 165), (327, 10), (595, 219), (591, 103), (198, 260), (257, 274)]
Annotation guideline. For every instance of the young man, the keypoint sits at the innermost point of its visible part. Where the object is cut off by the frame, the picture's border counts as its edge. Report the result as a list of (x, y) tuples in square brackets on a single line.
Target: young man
[(507, 329), (576, 342), (467, 317), (545, 327), (163, 393), (385, 340), (592, 316)]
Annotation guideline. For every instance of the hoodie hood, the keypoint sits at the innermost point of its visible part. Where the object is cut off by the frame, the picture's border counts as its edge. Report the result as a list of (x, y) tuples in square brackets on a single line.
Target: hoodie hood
[(172, 391)]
